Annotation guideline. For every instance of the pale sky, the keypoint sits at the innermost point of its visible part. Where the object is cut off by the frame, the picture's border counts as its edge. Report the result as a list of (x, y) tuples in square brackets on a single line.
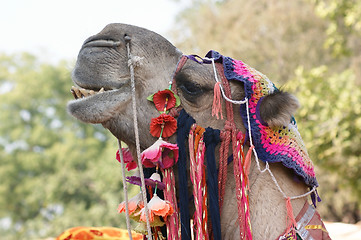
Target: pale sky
[(56, 29)]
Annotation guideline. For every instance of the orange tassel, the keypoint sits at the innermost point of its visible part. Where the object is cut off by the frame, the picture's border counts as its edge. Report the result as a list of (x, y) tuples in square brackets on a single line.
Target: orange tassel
[(291, 221), (217, 104)]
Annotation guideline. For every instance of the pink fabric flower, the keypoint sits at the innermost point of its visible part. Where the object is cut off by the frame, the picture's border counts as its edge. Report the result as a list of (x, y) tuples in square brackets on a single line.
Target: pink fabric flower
[(161, 153), (128, 159)]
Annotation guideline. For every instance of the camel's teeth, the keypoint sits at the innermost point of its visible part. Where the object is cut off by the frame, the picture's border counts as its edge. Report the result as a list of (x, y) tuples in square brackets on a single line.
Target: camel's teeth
[(74, 94), (72, 90), (84, 92), (76, 91)]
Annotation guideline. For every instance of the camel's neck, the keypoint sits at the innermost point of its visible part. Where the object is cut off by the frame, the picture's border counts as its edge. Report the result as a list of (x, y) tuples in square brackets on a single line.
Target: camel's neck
[(267, 205)]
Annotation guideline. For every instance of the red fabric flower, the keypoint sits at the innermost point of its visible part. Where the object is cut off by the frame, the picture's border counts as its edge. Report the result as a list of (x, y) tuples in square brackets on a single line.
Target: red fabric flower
[(128, 159), (164, 100), (168, 123)]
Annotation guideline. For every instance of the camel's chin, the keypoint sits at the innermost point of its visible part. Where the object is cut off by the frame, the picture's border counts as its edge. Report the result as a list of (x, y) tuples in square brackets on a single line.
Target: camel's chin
[(99, 108)]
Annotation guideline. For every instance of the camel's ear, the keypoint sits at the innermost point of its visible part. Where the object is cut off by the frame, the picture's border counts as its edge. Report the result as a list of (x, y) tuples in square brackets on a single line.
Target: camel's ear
[(278, 108)]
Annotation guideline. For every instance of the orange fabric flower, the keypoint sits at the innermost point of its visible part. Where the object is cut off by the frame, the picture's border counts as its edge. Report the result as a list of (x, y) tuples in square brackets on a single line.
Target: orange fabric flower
[(168, 123), (157, 207), (133, 204)]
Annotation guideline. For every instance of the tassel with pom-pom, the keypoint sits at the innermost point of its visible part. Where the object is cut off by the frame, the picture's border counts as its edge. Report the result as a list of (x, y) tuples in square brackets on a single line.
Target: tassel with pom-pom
[(217, 104), (291, 221)]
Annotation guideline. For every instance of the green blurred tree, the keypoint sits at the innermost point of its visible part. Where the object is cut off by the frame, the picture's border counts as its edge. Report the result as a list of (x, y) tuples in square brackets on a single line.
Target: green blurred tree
[(344, 28), (55, 172), (330, 121), (271, 35), (343, 32)]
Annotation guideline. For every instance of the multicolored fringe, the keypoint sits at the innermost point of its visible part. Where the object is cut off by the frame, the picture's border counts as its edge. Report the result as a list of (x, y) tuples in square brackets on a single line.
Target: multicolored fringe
[(241, 176), (172, 221), (198, 178)]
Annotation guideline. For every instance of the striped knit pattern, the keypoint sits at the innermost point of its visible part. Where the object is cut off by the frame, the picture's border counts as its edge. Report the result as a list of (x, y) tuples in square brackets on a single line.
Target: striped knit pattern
[(277, 144)]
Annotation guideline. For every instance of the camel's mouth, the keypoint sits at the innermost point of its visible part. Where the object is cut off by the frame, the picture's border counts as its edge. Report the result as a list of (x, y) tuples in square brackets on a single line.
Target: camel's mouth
[(97, 106), (79, 93)]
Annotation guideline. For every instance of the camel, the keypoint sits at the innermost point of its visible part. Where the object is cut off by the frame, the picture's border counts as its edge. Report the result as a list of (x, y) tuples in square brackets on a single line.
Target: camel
[(103, 96)]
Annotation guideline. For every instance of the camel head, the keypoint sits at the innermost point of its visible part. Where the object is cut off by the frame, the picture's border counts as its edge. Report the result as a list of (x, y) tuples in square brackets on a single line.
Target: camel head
[(103, 91), (103, 95)]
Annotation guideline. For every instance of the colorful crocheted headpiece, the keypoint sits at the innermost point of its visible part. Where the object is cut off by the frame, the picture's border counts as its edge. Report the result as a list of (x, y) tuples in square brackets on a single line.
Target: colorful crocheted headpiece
[(276, 144)]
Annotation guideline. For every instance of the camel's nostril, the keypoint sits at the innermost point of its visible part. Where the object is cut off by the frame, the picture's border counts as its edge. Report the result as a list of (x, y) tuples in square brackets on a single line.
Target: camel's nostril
[(101, 41), (127, 38)]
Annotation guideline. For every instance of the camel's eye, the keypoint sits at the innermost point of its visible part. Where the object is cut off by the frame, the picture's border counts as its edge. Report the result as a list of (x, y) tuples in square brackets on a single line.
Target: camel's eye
[(191, 88)]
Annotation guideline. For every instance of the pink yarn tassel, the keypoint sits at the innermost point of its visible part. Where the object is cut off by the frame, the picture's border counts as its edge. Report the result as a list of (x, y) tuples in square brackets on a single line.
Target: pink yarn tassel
[(247, 218), (247, 161), (242, 194), (217, 104), (247, 164), (291, 221), (202, 191)]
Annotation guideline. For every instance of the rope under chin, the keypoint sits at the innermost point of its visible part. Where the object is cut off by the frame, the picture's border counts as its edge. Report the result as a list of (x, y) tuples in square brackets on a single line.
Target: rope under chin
[(137, 142)]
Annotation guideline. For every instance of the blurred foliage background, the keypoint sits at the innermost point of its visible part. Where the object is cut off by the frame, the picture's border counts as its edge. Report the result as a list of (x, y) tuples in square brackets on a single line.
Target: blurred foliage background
[(57, 172)]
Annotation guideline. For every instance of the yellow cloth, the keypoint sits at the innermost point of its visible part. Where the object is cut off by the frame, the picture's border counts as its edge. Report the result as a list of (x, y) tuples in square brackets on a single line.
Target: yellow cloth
[(97, 233)]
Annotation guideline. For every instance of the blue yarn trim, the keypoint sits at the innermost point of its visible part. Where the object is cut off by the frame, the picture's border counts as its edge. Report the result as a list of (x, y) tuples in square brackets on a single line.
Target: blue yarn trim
[(215, 55), (258, 114), (184, 123), (211, 139)]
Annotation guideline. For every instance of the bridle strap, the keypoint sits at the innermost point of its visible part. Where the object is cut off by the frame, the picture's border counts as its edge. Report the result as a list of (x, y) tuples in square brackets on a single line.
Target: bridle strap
[(227, 135), (180, 65), (174, 112)]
